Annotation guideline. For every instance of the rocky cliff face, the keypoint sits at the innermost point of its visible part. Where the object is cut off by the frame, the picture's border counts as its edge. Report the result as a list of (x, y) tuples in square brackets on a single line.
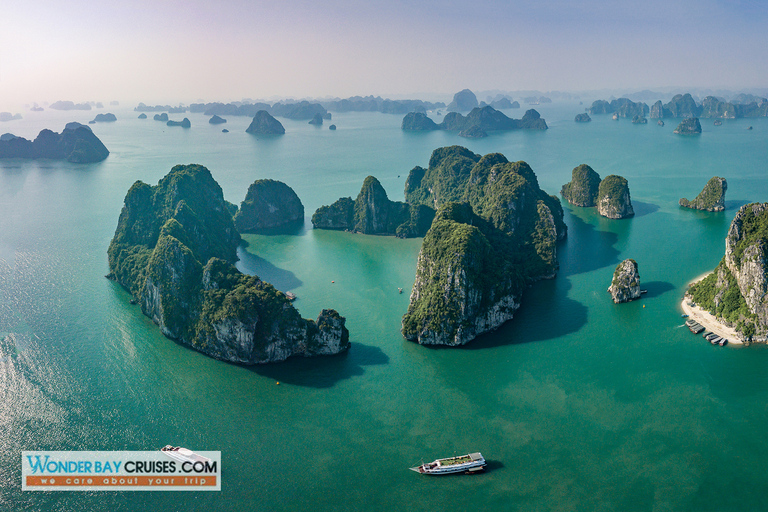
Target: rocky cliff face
[(583, 188), (713, 107), (737, 291), (657, 110), (711, 198), (268, 204), (690, 126), (418, 122), (76, 144), (682, 105), (496, 230), (613, 199), (173, 251), (582, 118), (264, 124), (372, 213), (622, 107), (625, 285), (746, 257), (465, 285)]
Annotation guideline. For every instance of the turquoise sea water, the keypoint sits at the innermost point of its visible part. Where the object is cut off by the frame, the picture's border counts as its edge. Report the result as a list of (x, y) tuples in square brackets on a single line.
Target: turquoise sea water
[(577, 403)]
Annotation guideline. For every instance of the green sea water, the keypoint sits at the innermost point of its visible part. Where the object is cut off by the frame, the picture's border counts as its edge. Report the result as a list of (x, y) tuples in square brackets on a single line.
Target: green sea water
[(577, 403)]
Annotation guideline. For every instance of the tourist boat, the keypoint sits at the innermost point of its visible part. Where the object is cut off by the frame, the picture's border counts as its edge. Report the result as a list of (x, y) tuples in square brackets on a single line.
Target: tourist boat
[(182, 454), (469, 463), (290, 295)]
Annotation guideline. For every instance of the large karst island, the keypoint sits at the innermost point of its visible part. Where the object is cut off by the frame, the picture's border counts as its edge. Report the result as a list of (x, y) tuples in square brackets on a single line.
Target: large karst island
[(495, 231), (737, 291), (76, 144), (174, 251), (711, 198)]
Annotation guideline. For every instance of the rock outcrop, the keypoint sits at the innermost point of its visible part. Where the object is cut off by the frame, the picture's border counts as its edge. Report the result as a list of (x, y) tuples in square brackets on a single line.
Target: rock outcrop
[(689, 126), (502, 103), (496, 230), (142, 116), (488, 119), (473, 132), (737, 291), (657, 110), (711, 198), (639, 120), (622, 107), (713, 107), (463, 101), (161, 117), (625, 285), (76, 144), (7, 116), (174, 249), (583, 188), (582, 118), (217, 120), (317, 120), (268, 204), (682, 105), (418, 122), (613, 200), (184, 123), (372, 213), (264, 124)]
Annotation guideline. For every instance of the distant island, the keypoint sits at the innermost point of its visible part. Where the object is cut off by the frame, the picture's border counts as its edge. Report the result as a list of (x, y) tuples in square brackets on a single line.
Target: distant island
[(161, 117), (372, 213), (7, 116), (217, 120), (463, 101), (173, 251), (711, 198), (184, 123), (477, 123), (582, 118), (494, 232), (265, 124), (104, 118), (683, 105), (76, 144), (689, 126), (69, 105)]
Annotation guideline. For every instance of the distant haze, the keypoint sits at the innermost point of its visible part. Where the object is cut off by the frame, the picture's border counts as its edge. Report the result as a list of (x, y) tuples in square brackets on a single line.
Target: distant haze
[(170, 51)]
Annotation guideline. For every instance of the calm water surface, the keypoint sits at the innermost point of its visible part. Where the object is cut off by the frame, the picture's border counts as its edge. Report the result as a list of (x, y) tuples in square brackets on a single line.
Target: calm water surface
[(578, 404)]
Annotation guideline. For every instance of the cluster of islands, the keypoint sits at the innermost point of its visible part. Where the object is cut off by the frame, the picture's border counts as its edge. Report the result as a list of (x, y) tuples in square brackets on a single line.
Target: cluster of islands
[(488, 230)]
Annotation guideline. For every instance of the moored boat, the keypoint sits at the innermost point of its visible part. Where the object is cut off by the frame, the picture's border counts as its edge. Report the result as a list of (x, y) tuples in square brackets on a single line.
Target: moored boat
[(183, 454), (469, 463)]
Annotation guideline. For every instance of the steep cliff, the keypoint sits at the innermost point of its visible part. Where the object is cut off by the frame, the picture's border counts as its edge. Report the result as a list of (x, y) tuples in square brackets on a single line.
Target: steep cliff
[(495, 231), (76, 144), (466, 283), (463, 101), (582, 118), (173, 250), (613, 200), (625, 285), (682, 105), (268, 204), (372, 213), (488, 119), (711, 198), (583, 188), (737, 291)]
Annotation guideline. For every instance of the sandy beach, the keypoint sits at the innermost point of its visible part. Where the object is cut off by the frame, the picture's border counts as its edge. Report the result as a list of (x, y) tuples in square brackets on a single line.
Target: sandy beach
[(709, 322)]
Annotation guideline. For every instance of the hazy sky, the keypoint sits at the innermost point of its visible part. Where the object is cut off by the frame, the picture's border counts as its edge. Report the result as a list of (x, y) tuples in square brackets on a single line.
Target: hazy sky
[(161, 51)]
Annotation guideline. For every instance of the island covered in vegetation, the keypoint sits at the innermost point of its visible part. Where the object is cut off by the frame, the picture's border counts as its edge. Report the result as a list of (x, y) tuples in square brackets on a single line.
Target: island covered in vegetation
[(494, 232), (173, 251), (76, 144)]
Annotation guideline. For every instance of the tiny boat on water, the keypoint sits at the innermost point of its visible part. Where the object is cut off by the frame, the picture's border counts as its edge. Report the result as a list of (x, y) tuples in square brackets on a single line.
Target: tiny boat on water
[(182, 454), (469, 463)]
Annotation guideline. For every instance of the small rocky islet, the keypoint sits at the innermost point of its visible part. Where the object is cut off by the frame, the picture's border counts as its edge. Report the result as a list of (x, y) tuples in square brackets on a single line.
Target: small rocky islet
[(625, 285), (711, 198), (610, 195)]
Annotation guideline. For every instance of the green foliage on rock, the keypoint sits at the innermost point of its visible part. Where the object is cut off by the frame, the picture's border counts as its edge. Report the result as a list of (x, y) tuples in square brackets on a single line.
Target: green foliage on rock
[(613, 199), (418, 122), (719, 293), (689, 126), (583, 188), (711, 198), (264, 124), (268, 204), (173, 250)]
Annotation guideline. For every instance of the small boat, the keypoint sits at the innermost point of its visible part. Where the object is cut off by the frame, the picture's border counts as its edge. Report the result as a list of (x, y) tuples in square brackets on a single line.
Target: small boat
[(469, 463), (290, 295), (723, 342), (400, 290), (643, 291), (684, 316), (182, 454)]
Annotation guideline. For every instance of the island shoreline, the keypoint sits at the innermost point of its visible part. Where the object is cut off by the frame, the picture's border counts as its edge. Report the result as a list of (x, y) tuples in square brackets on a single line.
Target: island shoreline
[(707, 320)]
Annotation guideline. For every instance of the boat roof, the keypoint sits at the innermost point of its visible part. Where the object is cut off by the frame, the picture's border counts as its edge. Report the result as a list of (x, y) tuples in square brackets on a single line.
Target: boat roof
[(476, 456)]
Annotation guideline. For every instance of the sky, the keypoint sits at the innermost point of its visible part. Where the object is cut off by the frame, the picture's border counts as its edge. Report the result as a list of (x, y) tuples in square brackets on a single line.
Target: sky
[(172, 51)]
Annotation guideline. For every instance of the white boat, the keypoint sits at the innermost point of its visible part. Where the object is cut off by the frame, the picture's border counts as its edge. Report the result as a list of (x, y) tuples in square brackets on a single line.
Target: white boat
[(469, 463), (182, 454)]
